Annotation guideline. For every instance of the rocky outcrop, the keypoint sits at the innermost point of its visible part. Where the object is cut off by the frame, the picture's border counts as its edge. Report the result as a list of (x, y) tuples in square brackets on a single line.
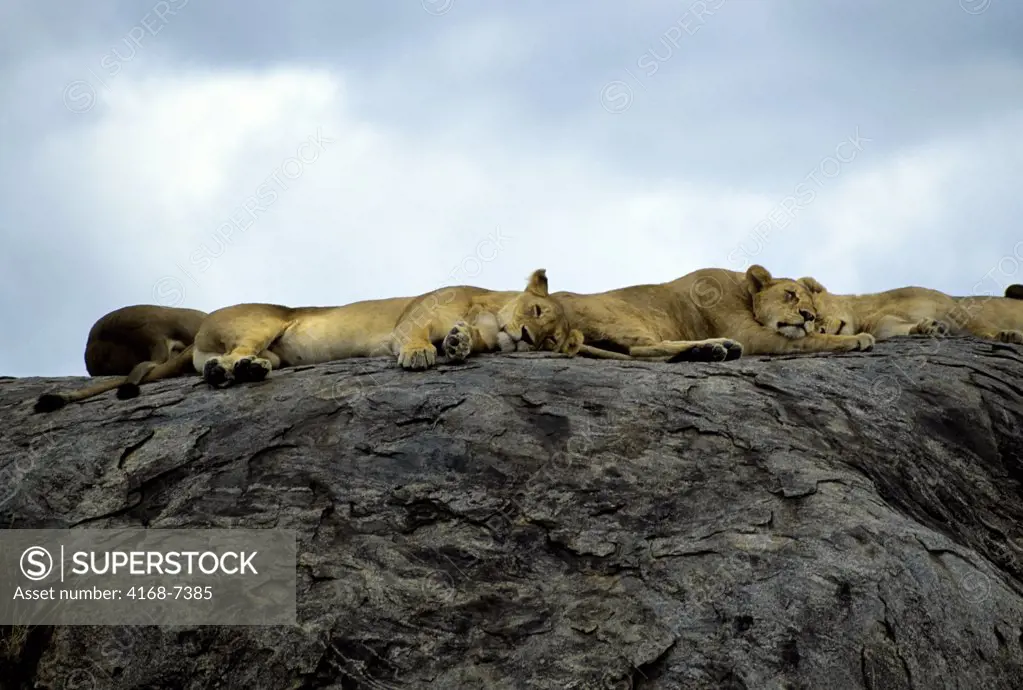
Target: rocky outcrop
[(532, 521)]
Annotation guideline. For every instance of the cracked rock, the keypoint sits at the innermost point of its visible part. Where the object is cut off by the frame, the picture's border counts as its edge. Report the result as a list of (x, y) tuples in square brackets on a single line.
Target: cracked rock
[(534, 521)]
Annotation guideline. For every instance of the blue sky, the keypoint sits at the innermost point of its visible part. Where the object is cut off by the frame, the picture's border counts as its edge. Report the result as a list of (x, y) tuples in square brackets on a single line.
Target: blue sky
[(313, 153)]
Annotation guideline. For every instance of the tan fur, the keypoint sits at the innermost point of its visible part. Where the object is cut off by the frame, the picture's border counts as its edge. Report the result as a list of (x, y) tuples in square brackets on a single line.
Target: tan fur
[(465, 319), (129, 343), (708, 315), (995, 318), (917, 311), (245, 342), (899, 312)]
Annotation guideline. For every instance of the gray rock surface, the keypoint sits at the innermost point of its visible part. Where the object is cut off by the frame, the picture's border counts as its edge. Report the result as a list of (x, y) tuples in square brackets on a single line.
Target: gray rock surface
[(532, 521)]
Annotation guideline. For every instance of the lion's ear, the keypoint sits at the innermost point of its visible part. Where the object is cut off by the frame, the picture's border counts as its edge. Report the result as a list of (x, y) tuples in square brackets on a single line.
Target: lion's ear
[(573, 343), (758, 277), (538, 283), (811, 284)]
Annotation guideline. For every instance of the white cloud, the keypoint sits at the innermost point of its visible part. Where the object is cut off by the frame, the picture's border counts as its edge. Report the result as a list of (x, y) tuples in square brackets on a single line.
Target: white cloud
[(378, 212), (382, 211), (921, 216)]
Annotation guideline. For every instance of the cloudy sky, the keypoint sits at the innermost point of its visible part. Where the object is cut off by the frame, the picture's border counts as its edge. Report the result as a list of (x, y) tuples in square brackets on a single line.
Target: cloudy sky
[(203, 154)]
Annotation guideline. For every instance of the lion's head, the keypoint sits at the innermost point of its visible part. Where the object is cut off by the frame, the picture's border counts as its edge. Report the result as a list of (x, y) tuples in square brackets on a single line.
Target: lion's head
[(782, 304), (532, 320), (833, 317)]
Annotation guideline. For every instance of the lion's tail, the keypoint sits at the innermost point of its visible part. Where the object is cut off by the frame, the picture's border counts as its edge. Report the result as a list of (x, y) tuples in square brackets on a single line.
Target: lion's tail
[(179, 365), (127, 386), (48, 402)]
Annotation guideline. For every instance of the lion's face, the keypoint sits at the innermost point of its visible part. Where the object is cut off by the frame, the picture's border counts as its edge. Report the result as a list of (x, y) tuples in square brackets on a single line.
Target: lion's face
[(831, 319), (533, 321), (832, 316), (785, 305)]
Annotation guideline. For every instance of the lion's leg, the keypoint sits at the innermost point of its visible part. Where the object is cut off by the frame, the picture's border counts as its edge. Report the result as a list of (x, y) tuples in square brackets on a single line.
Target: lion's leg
[(599, 353), (1003, 336), (890, 326), (709, 350), (245, 358), (764, 341), (642, 344), (271, 356), (860, 342), (983, 329), (414, 347), (427, 321)]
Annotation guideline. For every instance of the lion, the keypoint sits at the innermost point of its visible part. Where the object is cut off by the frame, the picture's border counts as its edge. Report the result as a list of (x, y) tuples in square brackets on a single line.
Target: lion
[(475, 319), (994, 318), (129, 343), (913, 310), (901, 311), (243, 343), (711, 314)]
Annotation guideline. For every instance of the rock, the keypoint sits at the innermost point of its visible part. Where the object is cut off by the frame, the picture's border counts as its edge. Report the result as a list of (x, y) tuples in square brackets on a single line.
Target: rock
[(534, 521)]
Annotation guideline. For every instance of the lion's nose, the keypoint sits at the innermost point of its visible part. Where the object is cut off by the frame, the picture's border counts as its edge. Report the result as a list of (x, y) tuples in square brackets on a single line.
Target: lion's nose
[(808, 315), (525, 336)]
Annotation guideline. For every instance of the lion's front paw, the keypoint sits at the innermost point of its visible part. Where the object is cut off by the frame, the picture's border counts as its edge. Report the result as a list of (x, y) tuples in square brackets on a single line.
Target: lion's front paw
[(864, 342), (717, 350), (1011, 337), (215, 374), (704, 352), (251, 369), (733, 349), (712, 352), (930, 327), (417, 356), (458, 342)]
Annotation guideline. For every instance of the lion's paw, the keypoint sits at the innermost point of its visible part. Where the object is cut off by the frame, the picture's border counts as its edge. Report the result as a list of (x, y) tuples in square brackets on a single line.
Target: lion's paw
[(733, 349), (215, 374), (864, 342), (1011, 337), (458, 342), (417, 356), (717, 350), (930, 327), (251, 369)]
